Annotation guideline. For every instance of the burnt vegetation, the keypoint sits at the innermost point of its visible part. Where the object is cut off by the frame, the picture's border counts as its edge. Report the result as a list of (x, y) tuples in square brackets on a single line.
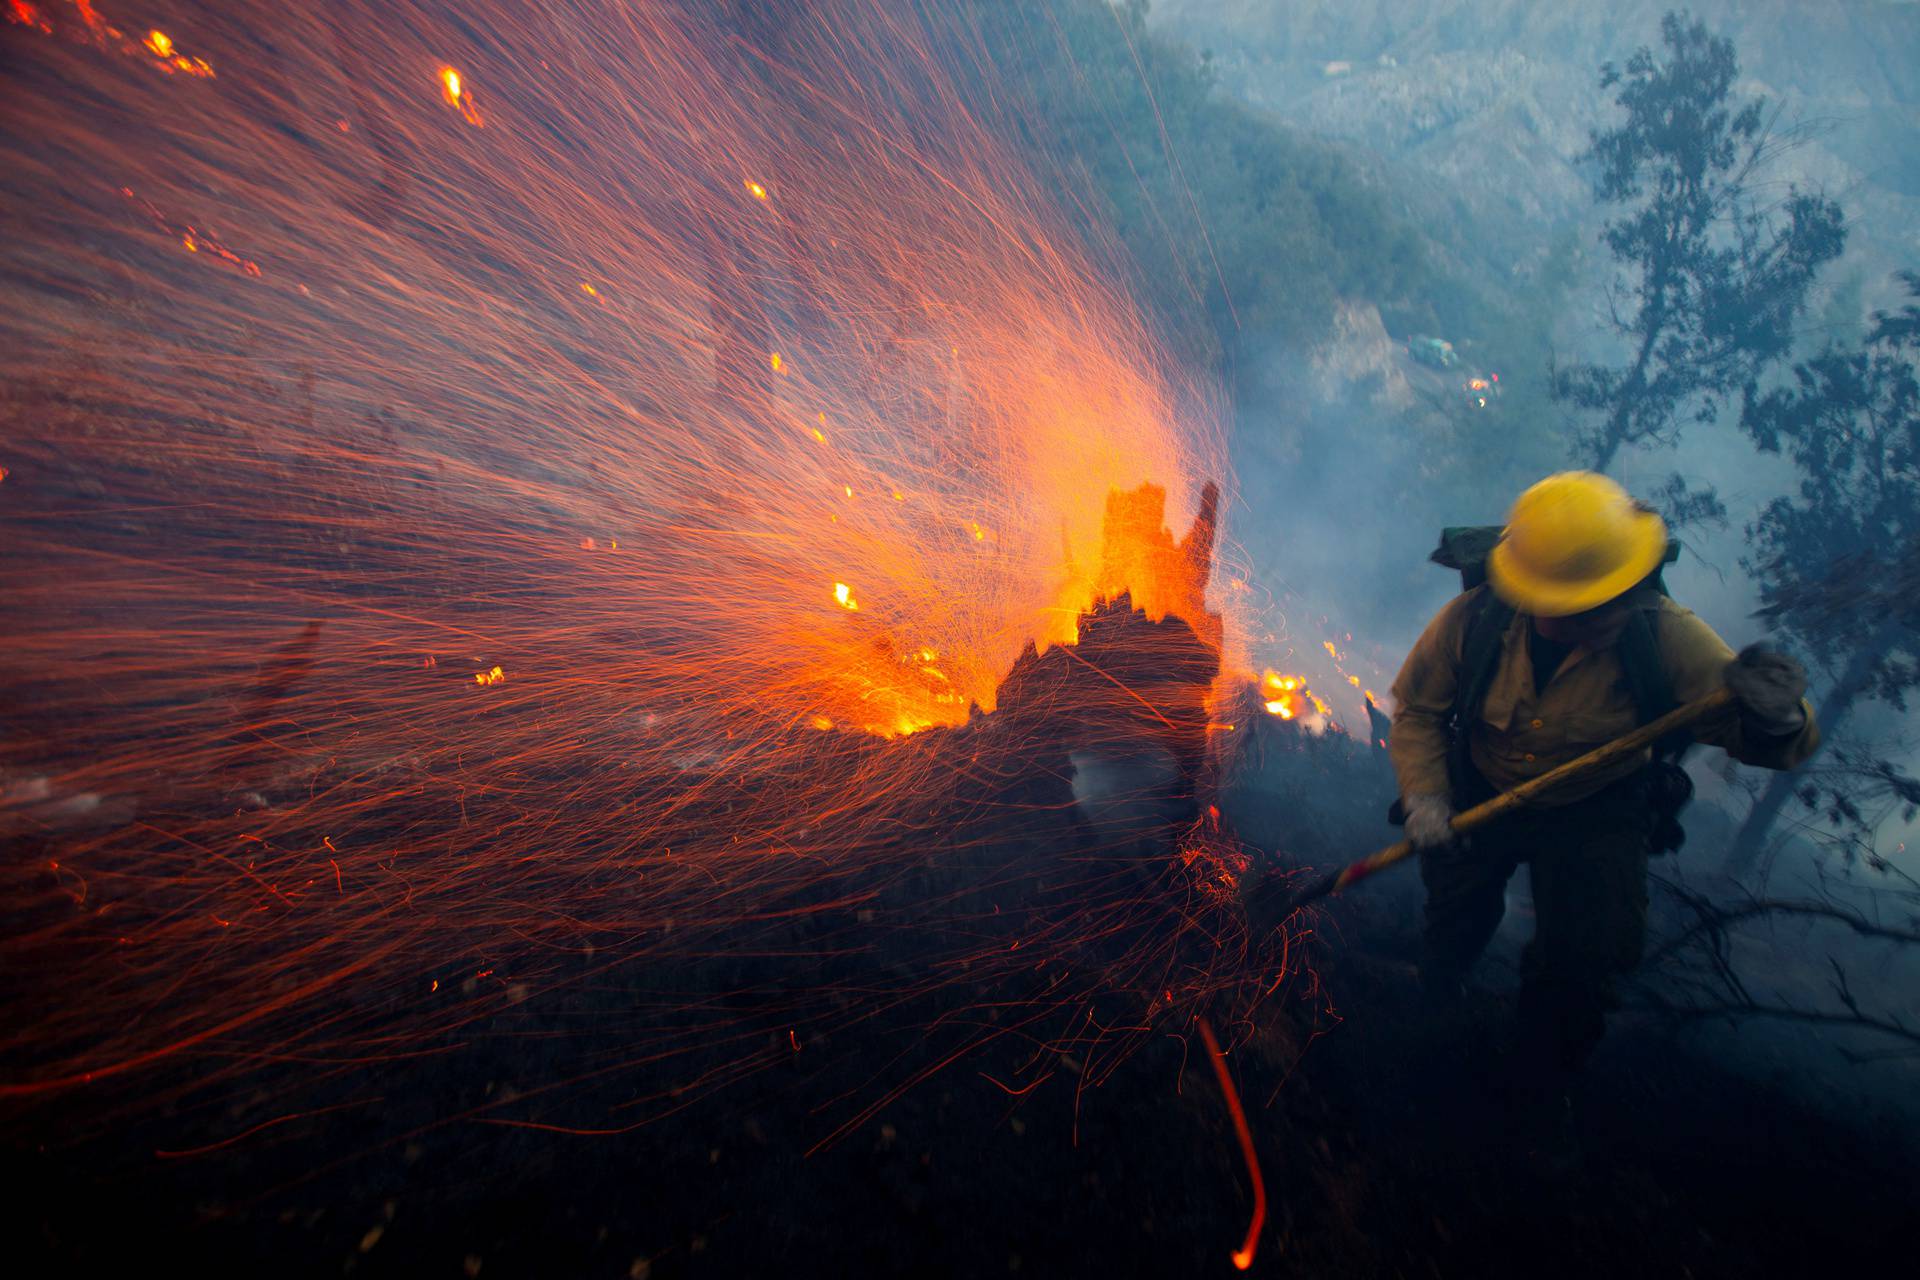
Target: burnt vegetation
[(969, 1045)]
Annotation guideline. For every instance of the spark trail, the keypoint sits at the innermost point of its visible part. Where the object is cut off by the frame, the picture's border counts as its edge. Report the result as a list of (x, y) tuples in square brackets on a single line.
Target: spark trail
[(492, 500)]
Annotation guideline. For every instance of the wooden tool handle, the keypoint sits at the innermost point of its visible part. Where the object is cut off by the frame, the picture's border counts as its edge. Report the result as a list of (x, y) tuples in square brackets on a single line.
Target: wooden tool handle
[(1599, 758)]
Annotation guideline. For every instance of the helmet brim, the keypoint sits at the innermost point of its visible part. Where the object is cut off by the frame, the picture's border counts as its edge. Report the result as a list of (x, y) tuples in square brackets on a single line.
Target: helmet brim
[(1547, 598)]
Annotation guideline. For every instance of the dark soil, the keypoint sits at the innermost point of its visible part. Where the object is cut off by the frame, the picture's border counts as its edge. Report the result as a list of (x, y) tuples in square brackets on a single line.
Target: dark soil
[(1392, 1139)]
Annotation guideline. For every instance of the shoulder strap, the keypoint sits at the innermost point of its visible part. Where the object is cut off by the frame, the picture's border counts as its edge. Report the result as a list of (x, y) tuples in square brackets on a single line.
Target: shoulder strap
[(1480, 655), (1479, 659), (1639, 648)]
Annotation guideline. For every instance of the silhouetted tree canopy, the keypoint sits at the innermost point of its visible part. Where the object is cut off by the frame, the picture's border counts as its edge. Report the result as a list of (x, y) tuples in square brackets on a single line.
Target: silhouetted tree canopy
[(1711, 280), (1838, 561)]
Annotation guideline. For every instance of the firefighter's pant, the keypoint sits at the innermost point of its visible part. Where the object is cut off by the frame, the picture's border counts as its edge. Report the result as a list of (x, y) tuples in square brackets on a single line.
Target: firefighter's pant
[(1588, 865)]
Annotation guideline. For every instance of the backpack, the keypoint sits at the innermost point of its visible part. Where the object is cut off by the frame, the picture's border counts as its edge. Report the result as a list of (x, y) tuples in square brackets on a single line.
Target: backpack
[(1465, 549)]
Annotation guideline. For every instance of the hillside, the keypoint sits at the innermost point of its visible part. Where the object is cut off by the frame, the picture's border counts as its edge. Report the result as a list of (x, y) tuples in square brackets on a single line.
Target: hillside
[(1490, 101)]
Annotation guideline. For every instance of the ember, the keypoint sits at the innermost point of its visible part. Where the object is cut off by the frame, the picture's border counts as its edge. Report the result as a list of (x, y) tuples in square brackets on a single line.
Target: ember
[(450, 89), (851, 447)]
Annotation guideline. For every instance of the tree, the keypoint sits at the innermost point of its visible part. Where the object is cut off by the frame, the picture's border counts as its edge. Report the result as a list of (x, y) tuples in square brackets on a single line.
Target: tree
[(1838, 563), (1694, 972), (1711, 280)]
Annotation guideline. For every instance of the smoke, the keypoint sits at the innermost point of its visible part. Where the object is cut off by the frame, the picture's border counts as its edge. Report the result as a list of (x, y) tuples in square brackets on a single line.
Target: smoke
[(1345, 493)]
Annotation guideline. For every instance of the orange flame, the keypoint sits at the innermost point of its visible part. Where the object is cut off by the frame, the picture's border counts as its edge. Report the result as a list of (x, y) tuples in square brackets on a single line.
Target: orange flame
[(160, 45), (457, 97), (191, 238), (1287, 696), (105, 35), (28, 16), (438, 419)]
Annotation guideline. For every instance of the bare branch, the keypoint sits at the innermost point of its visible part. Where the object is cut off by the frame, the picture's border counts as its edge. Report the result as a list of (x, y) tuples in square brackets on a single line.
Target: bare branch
[(1709, 985), (1738, 1009)]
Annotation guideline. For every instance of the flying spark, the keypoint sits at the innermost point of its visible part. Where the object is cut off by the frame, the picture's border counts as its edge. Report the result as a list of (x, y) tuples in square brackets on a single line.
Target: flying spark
[(314, 398)]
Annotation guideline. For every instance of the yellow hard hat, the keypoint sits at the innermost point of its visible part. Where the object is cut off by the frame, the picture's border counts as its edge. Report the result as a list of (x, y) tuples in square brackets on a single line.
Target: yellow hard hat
[(1573, 542)]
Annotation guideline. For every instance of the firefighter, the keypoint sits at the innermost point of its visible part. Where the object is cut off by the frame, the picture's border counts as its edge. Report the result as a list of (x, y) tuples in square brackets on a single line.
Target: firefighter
[(1570, 642)]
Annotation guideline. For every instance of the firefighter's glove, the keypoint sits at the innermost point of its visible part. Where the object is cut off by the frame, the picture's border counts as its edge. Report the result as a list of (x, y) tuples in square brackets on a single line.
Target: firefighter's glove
[(1430, 822), (1768, 686)]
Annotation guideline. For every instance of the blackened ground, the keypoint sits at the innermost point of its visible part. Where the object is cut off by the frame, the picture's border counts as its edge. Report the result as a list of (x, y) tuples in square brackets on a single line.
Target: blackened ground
[(1388, 1142)]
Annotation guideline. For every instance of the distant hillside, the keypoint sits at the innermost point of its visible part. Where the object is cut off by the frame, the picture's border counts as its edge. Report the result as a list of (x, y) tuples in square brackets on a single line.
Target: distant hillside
[(1494, 98)]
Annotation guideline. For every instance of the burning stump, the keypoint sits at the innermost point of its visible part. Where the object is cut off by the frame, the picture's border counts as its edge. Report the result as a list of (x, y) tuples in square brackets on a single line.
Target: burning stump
[(1138, 680)]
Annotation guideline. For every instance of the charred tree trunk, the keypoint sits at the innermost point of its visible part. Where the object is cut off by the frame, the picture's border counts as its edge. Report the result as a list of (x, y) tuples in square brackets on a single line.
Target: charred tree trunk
[(1615, 435)]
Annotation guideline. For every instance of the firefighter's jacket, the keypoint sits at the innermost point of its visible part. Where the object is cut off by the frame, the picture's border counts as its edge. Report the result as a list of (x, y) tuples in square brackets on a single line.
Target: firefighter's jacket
[(1519, 735)]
